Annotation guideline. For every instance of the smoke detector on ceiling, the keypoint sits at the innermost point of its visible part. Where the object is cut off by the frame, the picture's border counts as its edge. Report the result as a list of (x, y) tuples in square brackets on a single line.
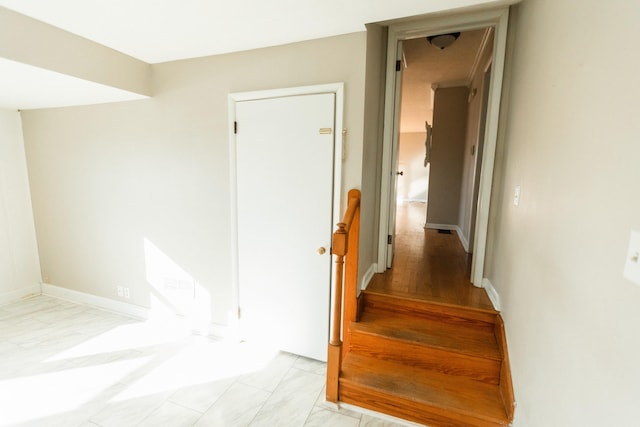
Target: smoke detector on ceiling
[(442, 41)]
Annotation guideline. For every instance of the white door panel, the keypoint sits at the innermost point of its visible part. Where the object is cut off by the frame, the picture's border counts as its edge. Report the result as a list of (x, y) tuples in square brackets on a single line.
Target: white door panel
[(284, 195)]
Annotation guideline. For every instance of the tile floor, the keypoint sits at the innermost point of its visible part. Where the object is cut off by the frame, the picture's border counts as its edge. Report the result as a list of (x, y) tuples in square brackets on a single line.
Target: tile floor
[(65, 364)]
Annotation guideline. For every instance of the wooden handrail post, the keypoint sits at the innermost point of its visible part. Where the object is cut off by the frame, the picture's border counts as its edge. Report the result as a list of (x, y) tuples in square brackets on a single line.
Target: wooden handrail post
[(339, 248), (345, 248)]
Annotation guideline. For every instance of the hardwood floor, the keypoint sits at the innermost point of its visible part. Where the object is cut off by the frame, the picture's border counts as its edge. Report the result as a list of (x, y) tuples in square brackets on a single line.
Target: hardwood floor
[(427, 346), (428, 265)]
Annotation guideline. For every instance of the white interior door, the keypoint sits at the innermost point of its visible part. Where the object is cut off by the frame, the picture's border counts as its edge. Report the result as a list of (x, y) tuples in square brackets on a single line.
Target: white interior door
[(393, 187), (284, 166)]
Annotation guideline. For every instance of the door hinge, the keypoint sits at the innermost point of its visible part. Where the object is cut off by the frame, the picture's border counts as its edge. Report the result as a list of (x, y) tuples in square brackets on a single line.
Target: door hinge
[(389, 239), (235, 127), (398, 65), (239, 312)]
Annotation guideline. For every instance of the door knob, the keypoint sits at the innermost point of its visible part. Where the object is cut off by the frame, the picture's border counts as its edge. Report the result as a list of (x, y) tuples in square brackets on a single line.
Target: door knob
[(321, 250), (400, 173)]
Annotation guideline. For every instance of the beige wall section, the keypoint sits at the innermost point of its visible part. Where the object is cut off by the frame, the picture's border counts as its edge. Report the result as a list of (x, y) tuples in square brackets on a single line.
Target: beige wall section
[(571, 140), (412, 185), (113, 183), (19, 264), (33, 42), (447, 155), (372, 147), (472, 147)]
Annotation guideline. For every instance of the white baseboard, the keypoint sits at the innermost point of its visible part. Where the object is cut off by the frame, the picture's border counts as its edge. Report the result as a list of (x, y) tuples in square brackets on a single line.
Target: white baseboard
[(368, 276), (456, 228), (492, 293), (94, 300), (121, 307), (18, 294), (463, 239), (440, 226)]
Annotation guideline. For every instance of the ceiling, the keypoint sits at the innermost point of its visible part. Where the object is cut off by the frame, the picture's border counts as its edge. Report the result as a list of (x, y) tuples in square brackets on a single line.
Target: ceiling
[(155, 31), (425, 66)]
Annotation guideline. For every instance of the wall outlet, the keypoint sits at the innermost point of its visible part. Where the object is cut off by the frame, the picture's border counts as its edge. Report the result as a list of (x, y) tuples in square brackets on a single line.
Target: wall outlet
[(127, 293), (120, 291)]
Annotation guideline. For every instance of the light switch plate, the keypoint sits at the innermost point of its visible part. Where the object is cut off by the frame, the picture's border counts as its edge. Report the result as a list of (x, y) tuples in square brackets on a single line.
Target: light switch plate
[(516, 196), (632, 263)]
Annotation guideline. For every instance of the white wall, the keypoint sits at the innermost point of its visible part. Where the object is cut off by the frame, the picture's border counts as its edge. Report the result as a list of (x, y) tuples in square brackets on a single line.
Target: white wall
[(473, 149), (372, 149), (134, 193), (19, 264), (447, 155), (571, 140)]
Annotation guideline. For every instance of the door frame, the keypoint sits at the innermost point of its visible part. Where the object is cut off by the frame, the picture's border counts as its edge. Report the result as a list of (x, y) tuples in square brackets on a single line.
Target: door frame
[(335, 88), (496, 18)]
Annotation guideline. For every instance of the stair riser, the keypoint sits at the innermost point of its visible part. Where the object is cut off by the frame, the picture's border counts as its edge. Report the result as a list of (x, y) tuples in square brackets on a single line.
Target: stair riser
[(450, 315), (412, 354), (407, 409)]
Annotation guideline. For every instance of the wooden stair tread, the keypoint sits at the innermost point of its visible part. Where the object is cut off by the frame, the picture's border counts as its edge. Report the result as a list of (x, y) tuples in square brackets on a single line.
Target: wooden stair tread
[(409, 306), (479, 342), (403, 387)]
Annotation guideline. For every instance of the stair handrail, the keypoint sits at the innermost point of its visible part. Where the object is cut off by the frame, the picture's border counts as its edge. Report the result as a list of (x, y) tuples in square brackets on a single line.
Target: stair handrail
[(345, 247)]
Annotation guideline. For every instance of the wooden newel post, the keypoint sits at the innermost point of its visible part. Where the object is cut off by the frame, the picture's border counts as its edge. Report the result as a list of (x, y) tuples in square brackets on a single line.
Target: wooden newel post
[(334, 356), (344, 238), (339, 248)]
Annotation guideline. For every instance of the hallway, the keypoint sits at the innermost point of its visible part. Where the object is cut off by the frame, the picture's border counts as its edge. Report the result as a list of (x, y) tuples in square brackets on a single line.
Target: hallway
[(428, 264)]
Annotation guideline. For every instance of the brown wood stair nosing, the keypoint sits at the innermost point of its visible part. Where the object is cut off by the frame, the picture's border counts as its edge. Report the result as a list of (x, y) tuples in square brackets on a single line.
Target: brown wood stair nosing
[(425, 357), (416, 394), (470, 340), (429, 310)]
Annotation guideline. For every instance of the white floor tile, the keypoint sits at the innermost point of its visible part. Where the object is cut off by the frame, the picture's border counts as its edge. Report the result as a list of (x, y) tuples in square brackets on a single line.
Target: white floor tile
[(71, 365)]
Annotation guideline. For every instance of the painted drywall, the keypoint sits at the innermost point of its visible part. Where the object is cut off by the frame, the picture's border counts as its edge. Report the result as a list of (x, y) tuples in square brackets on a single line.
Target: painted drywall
[(413, 183), (26, 40), (473, 148), (447, 155), (137, 194), (19, 264), (570, 138), (372, 148)]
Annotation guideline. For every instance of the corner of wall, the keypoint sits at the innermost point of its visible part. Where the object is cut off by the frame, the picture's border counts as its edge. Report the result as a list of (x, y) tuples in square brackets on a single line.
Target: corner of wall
[(492, 293), (368, 275)]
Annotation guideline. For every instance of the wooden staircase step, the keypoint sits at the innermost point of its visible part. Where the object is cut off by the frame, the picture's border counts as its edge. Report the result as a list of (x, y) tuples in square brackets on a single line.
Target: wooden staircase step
[(428, 344), (452, 314), (462, 339), (419, 395)]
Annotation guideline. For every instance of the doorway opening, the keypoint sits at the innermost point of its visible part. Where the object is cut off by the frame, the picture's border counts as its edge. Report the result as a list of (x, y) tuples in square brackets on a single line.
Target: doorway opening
[(461, 103), (442, 105), (448, 86)]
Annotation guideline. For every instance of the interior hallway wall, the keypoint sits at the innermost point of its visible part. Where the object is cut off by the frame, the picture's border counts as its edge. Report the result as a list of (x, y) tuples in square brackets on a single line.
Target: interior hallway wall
[(570, 139), (447, 155), (137, 194), (19, 264)]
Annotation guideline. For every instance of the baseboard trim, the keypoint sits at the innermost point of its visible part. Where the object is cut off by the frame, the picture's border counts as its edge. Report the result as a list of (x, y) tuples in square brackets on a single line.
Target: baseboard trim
[(492, 293), (120, 307), (368, 275), (440, 226), (463, 239), (456, 228), (18, 294)]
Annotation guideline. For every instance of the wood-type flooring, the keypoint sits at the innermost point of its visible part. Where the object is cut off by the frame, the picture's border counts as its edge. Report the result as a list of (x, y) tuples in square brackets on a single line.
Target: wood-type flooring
[(428, 264)]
